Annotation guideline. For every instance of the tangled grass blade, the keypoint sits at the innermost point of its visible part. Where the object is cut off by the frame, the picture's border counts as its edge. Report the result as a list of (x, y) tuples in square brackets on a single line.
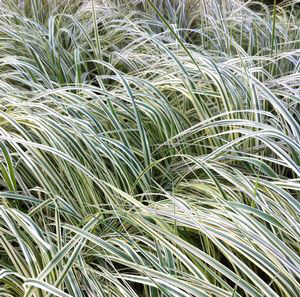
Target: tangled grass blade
[(149, 148)]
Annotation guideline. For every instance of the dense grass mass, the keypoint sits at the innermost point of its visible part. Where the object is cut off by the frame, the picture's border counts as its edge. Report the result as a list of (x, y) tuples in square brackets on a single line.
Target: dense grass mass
[(149, 148)]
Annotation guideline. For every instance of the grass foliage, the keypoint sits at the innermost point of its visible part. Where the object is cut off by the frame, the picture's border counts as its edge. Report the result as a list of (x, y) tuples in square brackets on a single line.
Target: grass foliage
[(149, 148)]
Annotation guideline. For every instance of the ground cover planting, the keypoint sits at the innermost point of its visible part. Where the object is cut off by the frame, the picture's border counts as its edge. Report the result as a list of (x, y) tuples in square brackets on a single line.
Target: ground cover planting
[(149, 148)]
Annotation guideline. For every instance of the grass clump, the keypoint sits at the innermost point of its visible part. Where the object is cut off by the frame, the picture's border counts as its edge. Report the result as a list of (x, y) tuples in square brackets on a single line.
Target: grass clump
[(149, 148)]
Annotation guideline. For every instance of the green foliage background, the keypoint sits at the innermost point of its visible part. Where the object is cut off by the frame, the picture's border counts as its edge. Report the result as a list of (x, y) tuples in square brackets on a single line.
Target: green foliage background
[(149, 148)]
